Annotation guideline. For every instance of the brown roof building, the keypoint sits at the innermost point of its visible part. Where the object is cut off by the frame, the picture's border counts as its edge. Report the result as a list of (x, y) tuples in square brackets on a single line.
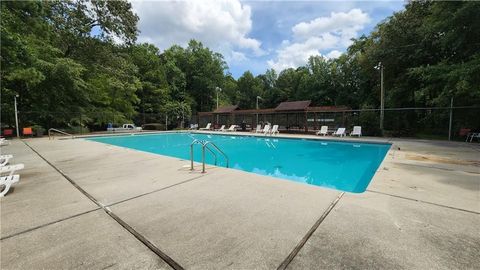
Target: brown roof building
[(290, 115), (293, 105)]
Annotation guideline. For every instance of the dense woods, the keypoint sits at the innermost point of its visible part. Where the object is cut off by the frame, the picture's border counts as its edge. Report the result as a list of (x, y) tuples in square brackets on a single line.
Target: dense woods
[(77, 63)]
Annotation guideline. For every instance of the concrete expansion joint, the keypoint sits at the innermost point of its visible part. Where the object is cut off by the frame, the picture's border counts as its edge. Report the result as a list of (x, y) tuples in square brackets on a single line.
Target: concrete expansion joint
[(108, 211), (420, 201), (307, 236), (155, 190), (49, 223)]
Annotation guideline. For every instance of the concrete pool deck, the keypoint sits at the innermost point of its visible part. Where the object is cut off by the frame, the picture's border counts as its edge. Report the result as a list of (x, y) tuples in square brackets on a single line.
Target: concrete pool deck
[(82, 204)]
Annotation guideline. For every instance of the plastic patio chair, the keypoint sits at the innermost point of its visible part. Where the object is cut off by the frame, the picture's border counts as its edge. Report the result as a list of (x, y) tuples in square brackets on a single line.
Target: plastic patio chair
[(4, 159), (340, 132), (274, 130), (232, 128), (8, 132), (7, 182), (357, 131), (266, 129), (207, 127), (27, 131), (323, 131)]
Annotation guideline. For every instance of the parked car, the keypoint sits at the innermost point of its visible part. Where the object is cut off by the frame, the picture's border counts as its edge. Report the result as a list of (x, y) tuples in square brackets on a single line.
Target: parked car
[(125, 127)]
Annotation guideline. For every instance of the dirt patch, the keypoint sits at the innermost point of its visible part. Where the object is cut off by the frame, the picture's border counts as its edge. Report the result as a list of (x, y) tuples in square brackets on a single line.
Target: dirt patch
[(442, 160)]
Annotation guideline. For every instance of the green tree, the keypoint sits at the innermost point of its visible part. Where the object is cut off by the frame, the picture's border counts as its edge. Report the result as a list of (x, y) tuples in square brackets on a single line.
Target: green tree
[(249, 88)]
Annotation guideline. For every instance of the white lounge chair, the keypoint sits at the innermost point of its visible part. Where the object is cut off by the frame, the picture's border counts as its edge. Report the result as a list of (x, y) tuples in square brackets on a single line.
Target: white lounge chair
[(232, 128), (473, 136), (258, 129), (222, 128), (4, 159), (357, 131), (10, 169), (7, 182), (266, 129), (193, 126), (323, 131), (274, 130), (4, 142), (207, 127), (340, 132)]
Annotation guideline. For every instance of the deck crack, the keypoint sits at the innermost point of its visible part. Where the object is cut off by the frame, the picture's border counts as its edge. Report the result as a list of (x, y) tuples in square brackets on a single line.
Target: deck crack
[(310, 232)]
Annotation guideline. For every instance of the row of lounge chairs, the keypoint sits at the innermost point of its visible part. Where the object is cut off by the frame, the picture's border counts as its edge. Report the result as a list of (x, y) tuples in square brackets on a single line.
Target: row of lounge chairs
[(7, 171), (232, 128), (267, 129), (222, 128), (273, 130), (357, 131)]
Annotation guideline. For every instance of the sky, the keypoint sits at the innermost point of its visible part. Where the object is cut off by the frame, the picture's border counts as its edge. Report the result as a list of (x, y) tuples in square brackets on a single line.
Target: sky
[(259, 35)]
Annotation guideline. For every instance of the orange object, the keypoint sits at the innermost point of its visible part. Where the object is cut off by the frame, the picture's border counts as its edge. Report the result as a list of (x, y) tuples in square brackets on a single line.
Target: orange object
[(8, 132), (27, 131)]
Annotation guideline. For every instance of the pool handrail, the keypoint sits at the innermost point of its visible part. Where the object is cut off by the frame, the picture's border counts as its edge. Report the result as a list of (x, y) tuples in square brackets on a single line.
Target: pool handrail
[(218, 149), (205, 145), (195, 141), (58, 131)]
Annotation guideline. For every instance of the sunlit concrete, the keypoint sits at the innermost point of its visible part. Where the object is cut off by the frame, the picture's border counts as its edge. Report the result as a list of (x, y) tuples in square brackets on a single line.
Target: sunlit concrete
[(424, 199)]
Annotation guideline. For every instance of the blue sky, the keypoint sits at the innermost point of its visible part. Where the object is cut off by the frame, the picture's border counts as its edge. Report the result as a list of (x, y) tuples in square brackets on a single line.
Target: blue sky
[(258, 35)]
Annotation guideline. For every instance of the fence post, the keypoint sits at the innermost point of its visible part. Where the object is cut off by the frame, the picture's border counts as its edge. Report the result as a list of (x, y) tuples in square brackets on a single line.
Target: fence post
[(166, 122), (451, 119)]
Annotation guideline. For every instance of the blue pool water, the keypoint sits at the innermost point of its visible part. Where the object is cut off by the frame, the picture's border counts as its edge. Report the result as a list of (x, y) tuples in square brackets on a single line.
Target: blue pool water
[(339, 165)]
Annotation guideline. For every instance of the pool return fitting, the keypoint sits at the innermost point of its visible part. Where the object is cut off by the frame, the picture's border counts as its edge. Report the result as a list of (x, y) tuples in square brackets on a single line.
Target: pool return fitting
[(206, 146)]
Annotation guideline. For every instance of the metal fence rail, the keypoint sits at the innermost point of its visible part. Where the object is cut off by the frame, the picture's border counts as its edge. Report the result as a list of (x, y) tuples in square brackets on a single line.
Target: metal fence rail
[(422, 122)]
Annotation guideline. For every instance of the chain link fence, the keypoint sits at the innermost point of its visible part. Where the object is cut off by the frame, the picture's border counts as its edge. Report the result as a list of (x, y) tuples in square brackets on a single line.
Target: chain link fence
[(83, 123), (427, 123)]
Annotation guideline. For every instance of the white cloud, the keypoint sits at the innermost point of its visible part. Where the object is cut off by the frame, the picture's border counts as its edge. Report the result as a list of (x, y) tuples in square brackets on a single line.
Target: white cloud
[(333, 54), (221, 25), (296, 54), (339, 23), (332, 33), (237, 56)]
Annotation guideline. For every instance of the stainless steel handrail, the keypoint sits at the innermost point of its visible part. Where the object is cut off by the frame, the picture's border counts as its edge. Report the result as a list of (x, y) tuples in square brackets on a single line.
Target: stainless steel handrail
[(218, 149), (205, 146), (195, 141), (58, 131)]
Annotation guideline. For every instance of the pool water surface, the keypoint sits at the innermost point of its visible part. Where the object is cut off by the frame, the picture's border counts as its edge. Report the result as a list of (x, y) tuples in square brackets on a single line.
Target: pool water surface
[(345, 166)]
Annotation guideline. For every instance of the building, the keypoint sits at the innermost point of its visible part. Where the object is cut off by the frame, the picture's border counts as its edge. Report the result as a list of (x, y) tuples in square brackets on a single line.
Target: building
[(292, 116)]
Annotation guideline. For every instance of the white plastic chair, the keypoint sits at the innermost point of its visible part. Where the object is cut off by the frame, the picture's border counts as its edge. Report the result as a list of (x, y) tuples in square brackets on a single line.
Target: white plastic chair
[(232, 128), (473, 136), (258, 129), (193, 126), (4, 159), (323, 131), (274, 130), (207, 127), (340, 132), (10, 169), (357, 130), (7, 182), (266, 129), (222, 128)]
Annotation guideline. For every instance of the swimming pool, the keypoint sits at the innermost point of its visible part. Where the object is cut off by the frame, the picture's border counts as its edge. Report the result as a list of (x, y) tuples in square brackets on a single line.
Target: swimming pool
[(346, 166)]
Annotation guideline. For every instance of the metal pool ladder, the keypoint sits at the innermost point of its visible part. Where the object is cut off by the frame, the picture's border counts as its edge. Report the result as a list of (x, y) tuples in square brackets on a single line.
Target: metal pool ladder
[(50, 131), (205, 146)]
